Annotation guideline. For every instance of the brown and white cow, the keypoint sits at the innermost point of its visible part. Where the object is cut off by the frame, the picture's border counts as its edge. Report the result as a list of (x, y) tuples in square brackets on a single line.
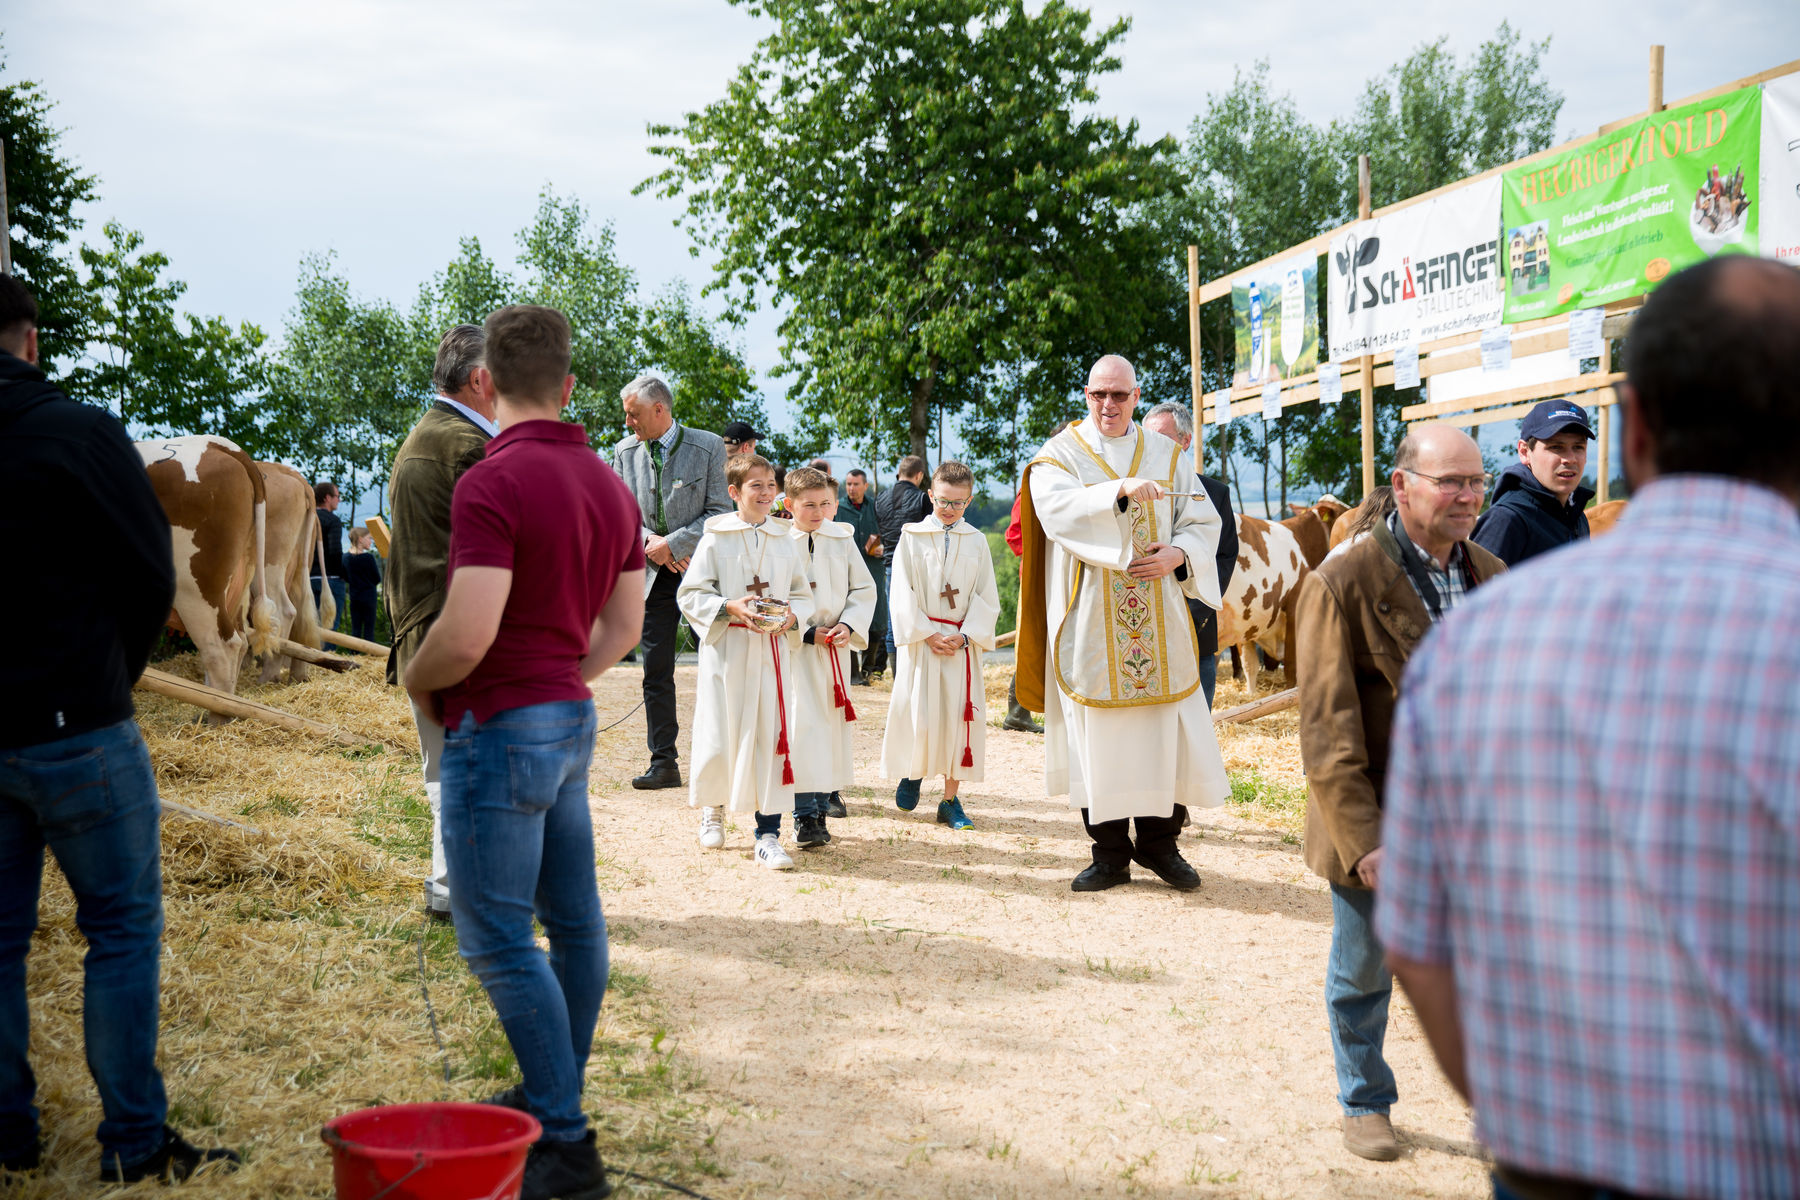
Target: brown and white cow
[(1309, 530), (290, 543), (1259, 604), (1328, 508), (216, 502), (1602, 517)]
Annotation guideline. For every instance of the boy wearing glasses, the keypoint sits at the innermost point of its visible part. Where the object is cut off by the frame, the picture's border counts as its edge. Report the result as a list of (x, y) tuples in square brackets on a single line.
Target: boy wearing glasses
[(942, 609)]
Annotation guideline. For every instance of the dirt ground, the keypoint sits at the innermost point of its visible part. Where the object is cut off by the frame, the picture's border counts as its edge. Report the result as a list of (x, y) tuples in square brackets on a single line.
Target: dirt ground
[(910, 1013), (916, 1012)]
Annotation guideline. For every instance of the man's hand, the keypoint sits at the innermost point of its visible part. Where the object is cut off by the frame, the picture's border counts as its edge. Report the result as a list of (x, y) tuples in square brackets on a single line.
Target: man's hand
[(1161, 559), (426, 704), (872, 547), (1142, 490), (1368, 869), (680, 565), (656, 549), (944, 643)]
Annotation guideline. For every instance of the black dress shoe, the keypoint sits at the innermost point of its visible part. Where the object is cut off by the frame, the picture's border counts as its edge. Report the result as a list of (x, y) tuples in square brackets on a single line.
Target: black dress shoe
[(1021, 725), (173, 1162), (1100, 876), (834, 806), (660, 775), (1171, 868), (564, 1171)]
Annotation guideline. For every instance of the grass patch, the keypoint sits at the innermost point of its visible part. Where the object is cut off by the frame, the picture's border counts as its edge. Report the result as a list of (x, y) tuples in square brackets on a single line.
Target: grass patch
[(1273, 803), (396, 817)]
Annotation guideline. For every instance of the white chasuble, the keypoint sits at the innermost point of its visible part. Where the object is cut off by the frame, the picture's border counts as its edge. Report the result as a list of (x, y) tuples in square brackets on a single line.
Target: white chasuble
[(743, 704), (943, 583), (1128, 732), (843, 592)]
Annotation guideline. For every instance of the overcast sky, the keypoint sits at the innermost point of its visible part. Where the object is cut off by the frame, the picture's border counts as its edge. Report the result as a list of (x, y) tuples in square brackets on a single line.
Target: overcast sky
[(240, 137)]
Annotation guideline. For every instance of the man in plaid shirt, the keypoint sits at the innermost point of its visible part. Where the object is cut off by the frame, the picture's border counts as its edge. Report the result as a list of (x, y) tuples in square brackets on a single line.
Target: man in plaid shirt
[(1592, 880)]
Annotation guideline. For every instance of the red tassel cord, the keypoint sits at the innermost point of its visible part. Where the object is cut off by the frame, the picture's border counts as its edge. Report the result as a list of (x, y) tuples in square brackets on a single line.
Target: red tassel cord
[(840, 695), (968, 754), (781, 741)]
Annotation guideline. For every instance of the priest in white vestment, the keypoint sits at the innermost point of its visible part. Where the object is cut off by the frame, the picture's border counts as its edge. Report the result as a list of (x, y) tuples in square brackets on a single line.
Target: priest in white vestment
[(1106, 648)]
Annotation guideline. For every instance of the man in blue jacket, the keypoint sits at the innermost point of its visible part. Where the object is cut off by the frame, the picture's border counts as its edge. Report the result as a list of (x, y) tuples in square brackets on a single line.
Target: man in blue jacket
[(1539, 501)]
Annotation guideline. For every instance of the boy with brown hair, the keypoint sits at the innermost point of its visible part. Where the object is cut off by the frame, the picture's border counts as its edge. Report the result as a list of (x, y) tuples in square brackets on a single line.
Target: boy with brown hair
[(843, 595), (943, 608), (742, 753), (546, 592)]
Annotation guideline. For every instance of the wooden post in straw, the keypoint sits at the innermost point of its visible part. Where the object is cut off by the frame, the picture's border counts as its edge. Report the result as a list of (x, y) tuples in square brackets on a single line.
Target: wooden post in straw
[(227, 705), (1279, 702), (352, 643), (318, 658), (5, 218), (1367, 363), (1194, 352)]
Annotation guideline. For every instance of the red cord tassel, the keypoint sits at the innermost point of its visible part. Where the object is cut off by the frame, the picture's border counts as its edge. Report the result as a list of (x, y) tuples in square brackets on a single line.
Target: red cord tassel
[(849, 710), (968, 755), (968, 713), (838, 697), (787, 771)]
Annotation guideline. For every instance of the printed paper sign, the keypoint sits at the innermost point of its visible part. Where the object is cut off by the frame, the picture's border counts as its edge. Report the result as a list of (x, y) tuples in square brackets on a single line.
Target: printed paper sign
[(1780, 168), (1406, 367), (1275, 315), (1496, 349), (1271, 410), (1331, 383), (1424, 272), (1584, 333), (1615, 216)]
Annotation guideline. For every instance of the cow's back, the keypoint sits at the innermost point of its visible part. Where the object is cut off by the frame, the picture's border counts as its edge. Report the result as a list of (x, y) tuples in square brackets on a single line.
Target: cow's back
[(1270, 567), (1310, 533), (209, 496)]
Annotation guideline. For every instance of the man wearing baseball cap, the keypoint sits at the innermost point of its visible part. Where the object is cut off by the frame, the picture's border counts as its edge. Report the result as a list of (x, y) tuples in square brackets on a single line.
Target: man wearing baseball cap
[(1539, 500), (740, 437)]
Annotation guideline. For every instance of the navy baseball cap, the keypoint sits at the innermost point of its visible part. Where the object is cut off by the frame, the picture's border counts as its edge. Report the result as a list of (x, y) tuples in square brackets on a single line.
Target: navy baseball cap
[(1552, 417), (740, 431)]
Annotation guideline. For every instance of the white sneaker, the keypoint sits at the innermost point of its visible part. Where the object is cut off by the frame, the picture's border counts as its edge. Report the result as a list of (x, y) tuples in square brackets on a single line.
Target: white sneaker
[(770, 854), (712, 830)]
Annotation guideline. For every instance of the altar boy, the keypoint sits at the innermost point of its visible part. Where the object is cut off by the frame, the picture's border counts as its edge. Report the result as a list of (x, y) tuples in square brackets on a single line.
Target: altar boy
[(843, 594), (942, 607), (742, 742)]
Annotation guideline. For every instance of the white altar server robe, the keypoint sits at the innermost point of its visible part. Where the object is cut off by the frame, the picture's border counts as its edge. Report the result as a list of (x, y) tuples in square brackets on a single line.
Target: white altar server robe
[(843, 591)]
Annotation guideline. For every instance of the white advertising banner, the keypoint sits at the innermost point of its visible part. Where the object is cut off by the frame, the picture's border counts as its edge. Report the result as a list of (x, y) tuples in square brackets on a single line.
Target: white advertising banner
[(1780, 227), (1425, 272)]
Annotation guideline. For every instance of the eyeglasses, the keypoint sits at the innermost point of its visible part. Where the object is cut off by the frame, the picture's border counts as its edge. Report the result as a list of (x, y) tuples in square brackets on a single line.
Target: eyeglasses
[(949, 503), (1105, 396), (1453, 485)]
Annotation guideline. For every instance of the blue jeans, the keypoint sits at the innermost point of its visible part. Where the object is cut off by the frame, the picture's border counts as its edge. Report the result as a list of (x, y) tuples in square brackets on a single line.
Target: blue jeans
[(519, 841), (1358, 986), (340, 596), (92, 800), (887, 583), (810, 804)]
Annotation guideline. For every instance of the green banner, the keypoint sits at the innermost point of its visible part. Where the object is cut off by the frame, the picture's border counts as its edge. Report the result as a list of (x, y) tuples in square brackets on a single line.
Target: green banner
[(1611, 218)]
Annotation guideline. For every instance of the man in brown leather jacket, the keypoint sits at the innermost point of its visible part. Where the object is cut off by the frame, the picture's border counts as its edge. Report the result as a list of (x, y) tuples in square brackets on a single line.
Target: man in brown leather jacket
[(451, 437), (1359, 617)]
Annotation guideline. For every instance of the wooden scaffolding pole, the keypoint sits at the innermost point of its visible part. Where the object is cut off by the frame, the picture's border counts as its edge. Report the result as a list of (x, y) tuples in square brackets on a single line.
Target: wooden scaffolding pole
[(1367, 364), (5, 218), (1194, 353)]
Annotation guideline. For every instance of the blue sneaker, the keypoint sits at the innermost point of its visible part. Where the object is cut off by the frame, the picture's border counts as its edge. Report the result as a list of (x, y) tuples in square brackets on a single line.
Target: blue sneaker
[(950, 813), (906, 796)]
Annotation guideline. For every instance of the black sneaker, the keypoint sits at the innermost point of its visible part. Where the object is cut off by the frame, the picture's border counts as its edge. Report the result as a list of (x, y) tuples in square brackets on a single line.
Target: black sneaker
[(175, 1161), (565, 1171), (834, 806), (810, 832), (28, 1159)]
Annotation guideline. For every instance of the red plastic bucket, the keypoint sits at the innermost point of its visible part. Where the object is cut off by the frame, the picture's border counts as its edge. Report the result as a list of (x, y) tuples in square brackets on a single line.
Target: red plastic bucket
[(430, 1152)]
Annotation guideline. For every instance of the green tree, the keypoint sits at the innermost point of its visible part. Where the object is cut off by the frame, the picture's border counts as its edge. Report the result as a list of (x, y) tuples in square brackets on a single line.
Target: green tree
[(711, 381), (160, 372), (927, 190), (43, 188)]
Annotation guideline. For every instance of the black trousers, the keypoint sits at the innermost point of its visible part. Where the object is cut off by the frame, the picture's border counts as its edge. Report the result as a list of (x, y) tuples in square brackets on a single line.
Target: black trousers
[(1112, 839), (662, 630)]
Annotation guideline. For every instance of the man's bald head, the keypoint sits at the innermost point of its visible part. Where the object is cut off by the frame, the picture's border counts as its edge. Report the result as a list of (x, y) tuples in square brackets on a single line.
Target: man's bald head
[(1438, 486), (1434, 443), (1112, 395), (1712, 370)]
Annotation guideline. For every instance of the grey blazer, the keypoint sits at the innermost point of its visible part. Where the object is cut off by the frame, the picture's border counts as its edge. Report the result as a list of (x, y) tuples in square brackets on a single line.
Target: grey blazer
[(693, 485)]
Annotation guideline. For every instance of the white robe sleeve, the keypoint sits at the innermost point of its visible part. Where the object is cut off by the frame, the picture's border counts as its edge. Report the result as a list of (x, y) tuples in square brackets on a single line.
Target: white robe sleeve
[(906, 617), (984, 606), (1196, 534), (699, 598), (859, 605), (1083, 519)]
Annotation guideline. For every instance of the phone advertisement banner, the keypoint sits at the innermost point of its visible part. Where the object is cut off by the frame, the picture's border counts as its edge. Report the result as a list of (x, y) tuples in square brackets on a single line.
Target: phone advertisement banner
[(1615, 216), (1424, 272)]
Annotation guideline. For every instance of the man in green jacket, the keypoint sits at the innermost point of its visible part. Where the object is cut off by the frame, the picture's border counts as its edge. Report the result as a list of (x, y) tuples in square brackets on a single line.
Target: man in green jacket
[(450, 438)]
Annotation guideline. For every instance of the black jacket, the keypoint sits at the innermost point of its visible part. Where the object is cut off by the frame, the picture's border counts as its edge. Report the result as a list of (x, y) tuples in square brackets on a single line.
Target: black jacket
[(86, 607), (331, 528), (1526, 519), (363, 571), (898, 507), (1206, 620)]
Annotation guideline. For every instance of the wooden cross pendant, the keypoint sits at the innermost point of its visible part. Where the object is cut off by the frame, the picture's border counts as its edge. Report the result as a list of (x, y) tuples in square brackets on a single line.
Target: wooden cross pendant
[(758, 586), (950, 594)]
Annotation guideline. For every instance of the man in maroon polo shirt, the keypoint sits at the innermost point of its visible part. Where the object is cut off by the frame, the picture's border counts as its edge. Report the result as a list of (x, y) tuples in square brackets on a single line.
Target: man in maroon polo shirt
[(546, 592)]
